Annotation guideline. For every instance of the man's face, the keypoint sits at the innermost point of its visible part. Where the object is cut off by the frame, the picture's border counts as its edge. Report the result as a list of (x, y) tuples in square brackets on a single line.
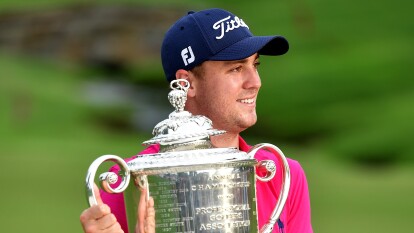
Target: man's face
[(226, 93)]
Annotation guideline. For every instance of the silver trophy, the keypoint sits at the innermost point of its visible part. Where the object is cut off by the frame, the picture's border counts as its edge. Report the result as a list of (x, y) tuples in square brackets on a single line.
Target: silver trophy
[(196, 188)]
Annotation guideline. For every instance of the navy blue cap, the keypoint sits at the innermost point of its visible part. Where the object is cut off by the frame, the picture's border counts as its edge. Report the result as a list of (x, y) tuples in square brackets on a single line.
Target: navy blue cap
[(215, 35)]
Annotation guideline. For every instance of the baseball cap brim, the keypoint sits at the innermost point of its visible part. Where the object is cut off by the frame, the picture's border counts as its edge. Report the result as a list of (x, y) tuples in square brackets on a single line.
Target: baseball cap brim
[(264, 45)]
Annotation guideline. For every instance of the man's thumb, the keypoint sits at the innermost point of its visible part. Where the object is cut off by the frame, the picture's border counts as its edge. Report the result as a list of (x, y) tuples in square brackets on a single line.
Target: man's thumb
[(97, 194)]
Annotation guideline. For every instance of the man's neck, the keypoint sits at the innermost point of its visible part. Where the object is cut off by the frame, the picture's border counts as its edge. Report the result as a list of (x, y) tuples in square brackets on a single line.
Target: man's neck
[(225, 140)]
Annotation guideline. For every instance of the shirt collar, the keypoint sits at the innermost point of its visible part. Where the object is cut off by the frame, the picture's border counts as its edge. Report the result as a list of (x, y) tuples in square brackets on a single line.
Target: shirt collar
[(243, 146)]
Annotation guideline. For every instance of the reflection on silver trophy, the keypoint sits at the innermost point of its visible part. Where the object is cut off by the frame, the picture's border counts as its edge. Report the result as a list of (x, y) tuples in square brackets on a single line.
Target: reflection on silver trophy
[(196, 187)]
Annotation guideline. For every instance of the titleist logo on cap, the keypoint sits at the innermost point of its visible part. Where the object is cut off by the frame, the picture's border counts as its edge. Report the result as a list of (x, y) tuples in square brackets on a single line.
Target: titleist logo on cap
[(226, 25)]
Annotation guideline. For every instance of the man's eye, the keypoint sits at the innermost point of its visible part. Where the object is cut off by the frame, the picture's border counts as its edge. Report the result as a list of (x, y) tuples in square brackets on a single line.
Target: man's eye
[(236, 69), (257, 64)]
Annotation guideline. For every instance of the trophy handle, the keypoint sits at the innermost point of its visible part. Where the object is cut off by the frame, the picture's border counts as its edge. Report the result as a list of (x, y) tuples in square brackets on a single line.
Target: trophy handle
[(106, 178), (267, 164)]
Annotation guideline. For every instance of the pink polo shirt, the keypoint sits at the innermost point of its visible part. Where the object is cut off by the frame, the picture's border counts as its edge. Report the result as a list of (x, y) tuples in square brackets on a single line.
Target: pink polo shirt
[(295, 217)]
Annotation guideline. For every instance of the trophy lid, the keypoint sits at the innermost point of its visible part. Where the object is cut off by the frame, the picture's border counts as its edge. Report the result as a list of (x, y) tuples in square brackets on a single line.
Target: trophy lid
[(182, 130)]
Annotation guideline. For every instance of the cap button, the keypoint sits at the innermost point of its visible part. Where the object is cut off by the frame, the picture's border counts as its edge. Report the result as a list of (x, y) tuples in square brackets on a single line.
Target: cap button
[(190, 12)]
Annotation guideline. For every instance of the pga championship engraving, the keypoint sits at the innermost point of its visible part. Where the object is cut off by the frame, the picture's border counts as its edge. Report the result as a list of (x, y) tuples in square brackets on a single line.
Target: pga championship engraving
[(184, 203), (196, 188)]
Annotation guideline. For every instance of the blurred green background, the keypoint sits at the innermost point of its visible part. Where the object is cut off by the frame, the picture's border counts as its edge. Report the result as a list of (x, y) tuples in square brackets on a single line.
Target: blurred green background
[(79, 79)]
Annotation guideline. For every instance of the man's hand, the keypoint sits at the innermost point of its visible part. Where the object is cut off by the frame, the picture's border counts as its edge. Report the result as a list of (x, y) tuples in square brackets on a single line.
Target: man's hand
[(150, 219), (99, 219), (146, 214)]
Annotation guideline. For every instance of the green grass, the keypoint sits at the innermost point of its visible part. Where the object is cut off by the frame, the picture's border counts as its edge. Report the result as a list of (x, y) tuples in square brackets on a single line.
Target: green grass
[(45, 152), (348, 198)]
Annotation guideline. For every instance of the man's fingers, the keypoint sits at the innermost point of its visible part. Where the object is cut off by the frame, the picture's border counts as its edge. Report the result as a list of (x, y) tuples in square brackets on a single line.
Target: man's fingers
[(150, 202), (99, 218), (106, 224), (107, 221), (150, 208), (95, 212), (97, 194), (115, 228), (150, 218), (142, 211)]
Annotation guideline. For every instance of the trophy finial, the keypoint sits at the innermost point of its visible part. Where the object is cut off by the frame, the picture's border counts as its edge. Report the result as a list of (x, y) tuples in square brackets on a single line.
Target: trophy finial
[(178, 95), (182, 130)]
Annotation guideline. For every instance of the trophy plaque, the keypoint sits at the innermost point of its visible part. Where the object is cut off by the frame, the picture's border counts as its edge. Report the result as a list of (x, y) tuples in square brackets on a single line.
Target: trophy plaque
[(196, 188)]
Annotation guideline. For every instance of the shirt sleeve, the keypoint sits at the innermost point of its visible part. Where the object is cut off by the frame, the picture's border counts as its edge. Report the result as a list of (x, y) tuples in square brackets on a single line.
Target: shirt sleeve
[(299, 212)]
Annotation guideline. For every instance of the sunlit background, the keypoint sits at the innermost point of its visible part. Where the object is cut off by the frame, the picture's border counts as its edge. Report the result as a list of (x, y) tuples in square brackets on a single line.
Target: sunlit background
[(79, 79)]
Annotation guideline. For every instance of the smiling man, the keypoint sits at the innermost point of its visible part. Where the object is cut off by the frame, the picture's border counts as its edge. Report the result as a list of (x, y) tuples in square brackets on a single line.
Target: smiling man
[(217, 54)]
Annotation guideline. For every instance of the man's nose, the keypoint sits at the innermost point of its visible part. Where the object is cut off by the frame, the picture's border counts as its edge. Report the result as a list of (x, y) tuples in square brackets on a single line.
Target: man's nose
[(252, 79)]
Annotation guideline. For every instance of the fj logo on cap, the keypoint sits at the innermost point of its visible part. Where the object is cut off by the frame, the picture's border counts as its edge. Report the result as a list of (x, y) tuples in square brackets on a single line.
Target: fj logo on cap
[(230, 25), (184, 54)]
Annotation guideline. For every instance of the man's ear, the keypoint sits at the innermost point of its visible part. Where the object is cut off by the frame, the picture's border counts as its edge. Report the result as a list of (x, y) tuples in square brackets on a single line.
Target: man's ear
[(184, 74)]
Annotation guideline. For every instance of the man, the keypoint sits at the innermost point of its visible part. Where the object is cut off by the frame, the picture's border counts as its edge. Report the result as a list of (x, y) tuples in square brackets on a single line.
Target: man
[(215, 51)]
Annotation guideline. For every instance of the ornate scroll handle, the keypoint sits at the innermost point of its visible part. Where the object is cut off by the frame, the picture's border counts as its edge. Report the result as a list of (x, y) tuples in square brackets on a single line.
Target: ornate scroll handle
[(106, 178), (270, 167), (268, 227)]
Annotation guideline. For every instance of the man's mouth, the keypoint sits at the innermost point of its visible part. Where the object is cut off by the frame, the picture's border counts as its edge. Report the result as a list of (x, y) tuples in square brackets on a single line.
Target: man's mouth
[(247, 101)]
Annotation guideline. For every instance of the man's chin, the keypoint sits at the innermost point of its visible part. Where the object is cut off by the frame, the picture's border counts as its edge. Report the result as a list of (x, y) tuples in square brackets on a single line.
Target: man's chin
[(245, 125)]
